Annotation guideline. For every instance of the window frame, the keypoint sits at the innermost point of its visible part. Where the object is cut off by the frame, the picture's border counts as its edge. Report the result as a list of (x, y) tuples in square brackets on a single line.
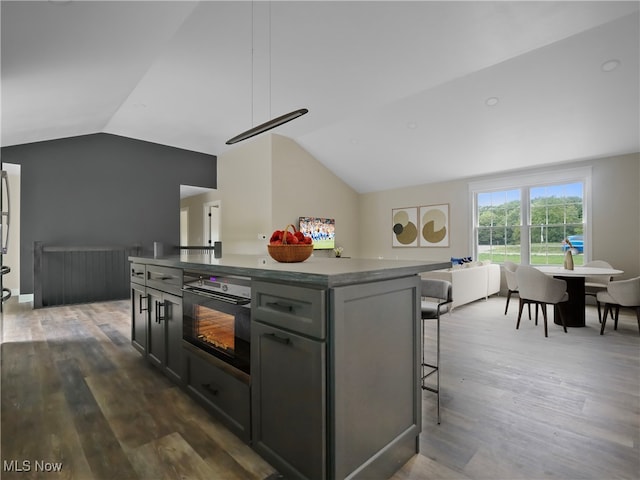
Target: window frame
[(524, 183)]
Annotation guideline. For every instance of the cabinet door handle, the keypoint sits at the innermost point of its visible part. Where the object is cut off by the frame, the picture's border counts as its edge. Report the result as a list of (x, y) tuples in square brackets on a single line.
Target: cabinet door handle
[(146, 297), (161, 311), (207, 386), (137, 274), (280, 306), (283, 340)]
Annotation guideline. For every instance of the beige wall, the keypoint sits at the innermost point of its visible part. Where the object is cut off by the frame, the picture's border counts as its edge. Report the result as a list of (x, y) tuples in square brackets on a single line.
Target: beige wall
[(302, 186), (616, 210), (244, 182), (195, 206), (269, 182), (615, 214)]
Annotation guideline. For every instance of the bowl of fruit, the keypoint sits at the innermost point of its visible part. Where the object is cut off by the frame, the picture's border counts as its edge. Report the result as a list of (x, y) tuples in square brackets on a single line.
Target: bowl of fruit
[(290, 247)]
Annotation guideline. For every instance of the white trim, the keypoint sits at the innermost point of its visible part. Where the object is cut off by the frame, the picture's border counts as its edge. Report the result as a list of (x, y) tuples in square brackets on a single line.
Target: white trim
[(548, 177), (25, 298), (524, 182)]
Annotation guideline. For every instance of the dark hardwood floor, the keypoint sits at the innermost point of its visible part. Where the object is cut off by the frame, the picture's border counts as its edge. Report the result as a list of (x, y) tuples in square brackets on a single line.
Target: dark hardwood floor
[(515, 405)]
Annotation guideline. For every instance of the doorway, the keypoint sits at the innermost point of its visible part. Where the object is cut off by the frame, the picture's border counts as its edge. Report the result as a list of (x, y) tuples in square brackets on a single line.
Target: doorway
[(212, 213)]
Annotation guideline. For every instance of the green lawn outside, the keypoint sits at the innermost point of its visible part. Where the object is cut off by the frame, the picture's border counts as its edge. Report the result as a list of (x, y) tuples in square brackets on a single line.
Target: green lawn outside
[(555, 255)]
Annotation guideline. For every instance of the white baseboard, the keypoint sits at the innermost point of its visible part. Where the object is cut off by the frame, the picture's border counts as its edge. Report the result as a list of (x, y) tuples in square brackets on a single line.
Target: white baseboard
[(27, 297)]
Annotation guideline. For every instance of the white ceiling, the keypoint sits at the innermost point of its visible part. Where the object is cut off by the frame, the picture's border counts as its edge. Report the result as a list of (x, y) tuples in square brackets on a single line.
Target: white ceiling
[(396, 91)]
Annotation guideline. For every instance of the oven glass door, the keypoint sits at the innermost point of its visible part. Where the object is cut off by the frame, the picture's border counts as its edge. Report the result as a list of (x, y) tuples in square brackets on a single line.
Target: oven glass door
[(220, 328)]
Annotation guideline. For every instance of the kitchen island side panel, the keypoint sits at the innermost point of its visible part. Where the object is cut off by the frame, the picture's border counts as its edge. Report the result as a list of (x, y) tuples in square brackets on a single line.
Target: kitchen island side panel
[(375, 397)]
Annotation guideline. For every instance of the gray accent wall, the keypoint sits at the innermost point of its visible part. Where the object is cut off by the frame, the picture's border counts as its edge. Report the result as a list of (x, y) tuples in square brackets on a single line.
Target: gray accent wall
[(102, 189)]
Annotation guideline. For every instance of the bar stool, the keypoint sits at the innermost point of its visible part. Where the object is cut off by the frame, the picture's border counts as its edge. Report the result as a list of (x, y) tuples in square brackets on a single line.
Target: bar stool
[(436, 297)]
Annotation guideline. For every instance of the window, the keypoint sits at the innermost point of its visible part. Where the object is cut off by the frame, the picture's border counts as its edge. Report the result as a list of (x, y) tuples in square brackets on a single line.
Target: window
[(555, 215), (527, 219), (499, 226)]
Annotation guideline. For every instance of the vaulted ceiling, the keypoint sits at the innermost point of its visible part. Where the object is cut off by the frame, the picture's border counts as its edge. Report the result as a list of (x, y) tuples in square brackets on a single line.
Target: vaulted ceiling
[(398, 92)]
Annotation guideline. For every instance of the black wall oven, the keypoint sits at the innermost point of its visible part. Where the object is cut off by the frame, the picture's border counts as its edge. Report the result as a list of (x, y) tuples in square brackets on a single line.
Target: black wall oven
[(217, 316)]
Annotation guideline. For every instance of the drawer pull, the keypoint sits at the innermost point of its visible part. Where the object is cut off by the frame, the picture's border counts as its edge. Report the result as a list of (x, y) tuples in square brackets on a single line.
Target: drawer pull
[(210, 389), (280, 306), (137, 274), (283, 340), (160, 277)]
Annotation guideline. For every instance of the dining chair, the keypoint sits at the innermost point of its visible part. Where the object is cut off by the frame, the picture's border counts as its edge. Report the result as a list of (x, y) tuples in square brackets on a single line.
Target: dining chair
[(597, 283), (541, 290), (436, 300), (620, 293), (512, 283)]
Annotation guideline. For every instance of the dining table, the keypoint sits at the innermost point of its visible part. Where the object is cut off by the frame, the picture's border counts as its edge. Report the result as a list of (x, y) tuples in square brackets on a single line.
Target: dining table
[(573, 310)]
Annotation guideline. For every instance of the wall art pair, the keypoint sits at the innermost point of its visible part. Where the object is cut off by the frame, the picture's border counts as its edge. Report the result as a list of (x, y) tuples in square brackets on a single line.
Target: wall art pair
[(425, 226)]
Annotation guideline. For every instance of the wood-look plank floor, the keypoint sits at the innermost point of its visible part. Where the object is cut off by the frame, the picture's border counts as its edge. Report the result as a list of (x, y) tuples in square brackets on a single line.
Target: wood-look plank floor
[(515, 405), (75, 392)]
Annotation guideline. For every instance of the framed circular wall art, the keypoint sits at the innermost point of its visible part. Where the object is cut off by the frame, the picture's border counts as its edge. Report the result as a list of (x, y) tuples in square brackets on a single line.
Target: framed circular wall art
[(434, 225), (404, 226)]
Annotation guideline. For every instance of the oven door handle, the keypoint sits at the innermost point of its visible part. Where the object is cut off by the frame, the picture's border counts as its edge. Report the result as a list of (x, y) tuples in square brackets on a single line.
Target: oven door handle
[(219, 296)]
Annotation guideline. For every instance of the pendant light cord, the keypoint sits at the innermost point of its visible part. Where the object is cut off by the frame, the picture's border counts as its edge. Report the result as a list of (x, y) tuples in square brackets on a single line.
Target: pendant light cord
[(253, 81), (275, 122)]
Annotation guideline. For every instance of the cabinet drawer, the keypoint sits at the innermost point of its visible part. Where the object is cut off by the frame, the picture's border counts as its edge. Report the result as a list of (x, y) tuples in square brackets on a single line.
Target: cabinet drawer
[(227, 397), (166, 279), (138, 273), (298, 309)]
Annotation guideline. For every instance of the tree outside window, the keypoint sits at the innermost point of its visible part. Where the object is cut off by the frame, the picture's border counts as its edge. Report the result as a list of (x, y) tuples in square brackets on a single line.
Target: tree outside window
[(553, 212), (499, 226), (556, 213)]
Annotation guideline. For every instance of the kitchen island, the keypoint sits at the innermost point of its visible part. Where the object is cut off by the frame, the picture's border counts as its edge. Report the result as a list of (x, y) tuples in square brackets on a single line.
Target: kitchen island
[(333, 389)]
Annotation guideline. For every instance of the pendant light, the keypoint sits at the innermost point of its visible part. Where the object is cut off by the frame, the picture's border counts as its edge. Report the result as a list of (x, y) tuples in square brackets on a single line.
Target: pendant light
[(275, 122)]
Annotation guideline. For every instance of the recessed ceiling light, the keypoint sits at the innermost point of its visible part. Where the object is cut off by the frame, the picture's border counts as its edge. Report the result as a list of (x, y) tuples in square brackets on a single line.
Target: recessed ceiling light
[(610, 65), (492, 101)]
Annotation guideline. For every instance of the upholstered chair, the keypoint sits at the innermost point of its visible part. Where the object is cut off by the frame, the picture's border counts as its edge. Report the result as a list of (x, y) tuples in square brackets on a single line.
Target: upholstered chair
[(512, 283), (621, 293), (597, 283), (436, 299), (541, 290)]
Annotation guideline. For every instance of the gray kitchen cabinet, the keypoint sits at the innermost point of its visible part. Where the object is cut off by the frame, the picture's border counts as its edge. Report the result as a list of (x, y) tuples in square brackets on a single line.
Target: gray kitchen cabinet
[(221, 389), (164, 332), (333, 390), (139, 307), (156, 316), (139, 317), (289, 407), (334, 378)]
